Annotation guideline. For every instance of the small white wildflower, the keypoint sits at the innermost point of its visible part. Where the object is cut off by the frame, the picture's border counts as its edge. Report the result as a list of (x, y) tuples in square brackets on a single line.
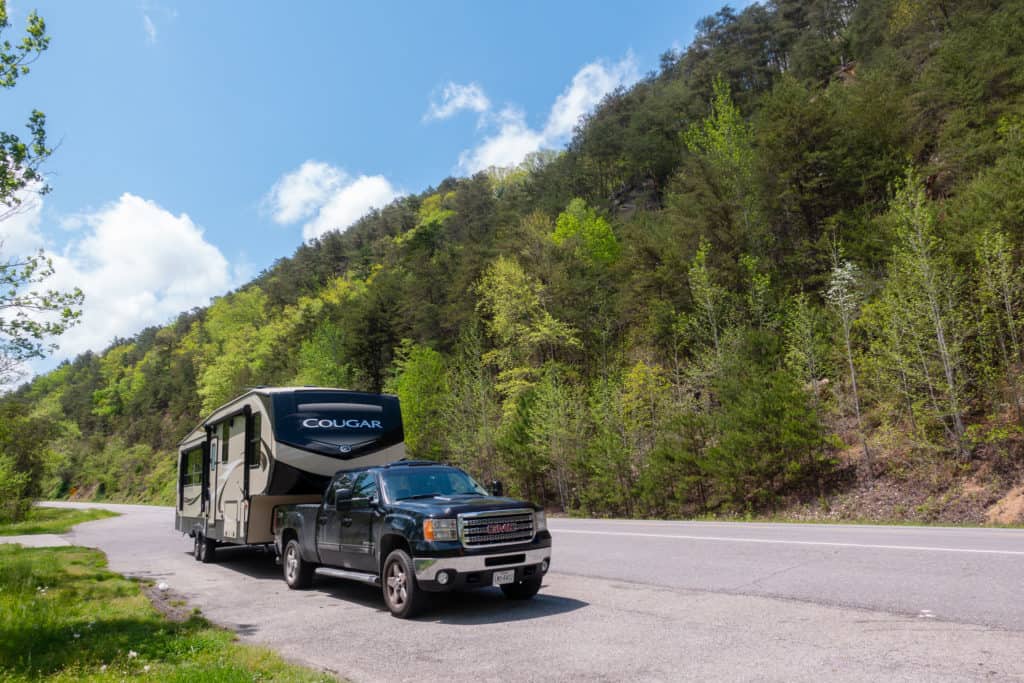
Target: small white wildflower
[(77, 635), (103, 668), (146, 668), (132, 654)]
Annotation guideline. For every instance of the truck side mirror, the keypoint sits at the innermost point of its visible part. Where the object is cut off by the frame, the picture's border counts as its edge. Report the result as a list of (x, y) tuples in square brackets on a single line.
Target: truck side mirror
[(343, 499), (497, 489)]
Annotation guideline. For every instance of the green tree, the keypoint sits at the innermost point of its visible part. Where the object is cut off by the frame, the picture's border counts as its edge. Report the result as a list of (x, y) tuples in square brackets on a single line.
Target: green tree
[(929, 289), (591, 234), (24, 457), (844, 296), (1000, 290), (709, 299), (421, 385), (30, 314), (805, 347), (526, 335), (556, 429), (725, 143), (473, 411), (770, 439)]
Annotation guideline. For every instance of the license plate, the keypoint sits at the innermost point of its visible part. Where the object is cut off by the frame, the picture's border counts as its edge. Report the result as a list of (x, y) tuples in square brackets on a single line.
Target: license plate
[(501, 578)]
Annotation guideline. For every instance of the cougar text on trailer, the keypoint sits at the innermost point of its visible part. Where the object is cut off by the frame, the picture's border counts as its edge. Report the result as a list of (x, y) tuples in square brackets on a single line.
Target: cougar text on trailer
[(276, 445)]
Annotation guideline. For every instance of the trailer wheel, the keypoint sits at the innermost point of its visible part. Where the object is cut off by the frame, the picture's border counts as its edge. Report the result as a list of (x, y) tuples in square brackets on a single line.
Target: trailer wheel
[(298, 573), (207, 549), (195, 546), (402, 594)]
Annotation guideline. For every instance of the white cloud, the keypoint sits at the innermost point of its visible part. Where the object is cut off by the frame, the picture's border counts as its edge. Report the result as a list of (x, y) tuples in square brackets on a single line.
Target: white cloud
[(588, 88), (147, 23), (514, 139), (350, 203), (138, 265), (299, 194), (456, 98), (327, 196), (19, 230)]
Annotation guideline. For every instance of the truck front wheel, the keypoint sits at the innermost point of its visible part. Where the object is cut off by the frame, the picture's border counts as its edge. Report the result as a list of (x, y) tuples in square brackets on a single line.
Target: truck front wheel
[(298, 573), (401, 592)]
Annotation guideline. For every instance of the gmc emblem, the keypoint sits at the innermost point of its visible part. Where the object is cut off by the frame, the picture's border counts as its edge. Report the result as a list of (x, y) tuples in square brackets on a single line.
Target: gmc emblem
[(502, 528)]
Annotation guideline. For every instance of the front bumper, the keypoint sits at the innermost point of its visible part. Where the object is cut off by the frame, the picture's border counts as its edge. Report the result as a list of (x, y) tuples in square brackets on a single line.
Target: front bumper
[(476, 571)]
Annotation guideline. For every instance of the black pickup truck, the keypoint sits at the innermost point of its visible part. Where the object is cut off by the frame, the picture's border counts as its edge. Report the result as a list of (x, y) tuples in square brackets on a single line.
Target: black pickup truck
[(410, 527)]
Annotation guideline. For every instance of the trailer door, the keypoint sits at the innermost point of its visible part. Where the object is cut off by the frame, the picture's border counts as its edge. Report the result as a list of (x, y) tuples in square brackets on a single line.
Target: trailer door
[(211, 483)]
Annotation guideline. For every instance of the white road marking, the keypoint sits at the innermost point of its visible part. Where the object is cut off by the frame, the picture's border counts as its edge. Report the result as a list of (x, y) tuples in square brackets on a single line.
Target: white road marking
[(732, 539)]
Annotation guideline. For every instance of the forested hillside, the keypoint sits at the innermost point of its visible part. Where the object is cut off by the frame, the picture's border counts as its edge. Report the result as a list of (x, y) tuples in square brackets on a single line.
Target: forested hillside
[(784, 268)]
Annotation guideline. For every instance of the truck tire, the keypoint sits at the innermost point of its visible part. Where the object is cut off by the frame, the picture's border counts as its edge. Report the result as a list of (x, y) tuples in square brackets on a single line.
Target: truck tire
[(523, 590), (402, 594), (298, 573), (207, 549)]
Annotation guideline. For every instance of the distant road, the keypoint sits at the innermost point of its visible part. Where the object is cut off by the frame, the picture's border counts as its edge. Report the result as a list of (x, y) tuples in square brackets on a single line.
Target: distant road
[(631, 600), (967, 575)]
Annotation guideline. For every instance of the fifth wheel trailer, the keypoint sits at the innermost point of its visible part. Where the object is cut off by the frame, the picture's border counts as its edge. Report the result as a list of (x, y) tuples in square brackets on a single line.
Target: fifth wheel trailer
[(273, 446)]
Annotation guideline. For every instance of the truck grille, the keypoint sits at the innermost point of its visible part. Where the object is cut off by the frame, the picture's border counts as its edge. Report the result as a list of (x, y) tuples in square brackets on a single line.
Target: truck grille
[(504, 527)]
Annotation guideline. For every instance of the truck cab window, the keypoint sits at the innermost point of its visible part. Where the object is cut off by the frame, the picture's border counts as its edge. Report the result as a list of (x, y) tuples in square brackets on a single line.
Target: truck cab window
[(365, 486)]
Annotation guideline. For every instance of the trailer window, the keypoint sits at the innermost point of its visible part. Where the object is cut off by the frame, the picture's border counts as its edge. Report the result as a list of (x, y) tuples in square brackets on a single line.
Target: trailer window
[(225, 437), (192, 467), (253, 452)]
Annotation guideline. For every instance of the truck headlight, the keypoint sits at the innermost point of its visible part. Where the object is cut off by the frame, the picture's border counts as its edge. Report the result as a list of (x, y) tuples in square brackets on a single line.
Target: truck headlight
[(440, 530), (540, 521)]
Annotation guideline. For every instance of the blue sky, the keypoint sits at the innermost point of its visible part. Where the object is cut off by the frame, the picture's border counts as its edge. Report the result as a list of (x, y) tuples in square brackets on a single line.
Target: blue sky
[(200, 141)]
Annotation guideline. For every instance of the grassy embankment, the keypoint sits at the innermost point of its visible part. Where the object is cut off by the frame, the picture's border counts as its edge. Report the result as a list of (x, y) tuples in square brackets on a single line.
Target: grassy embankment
[(64, 617), (52, 521)]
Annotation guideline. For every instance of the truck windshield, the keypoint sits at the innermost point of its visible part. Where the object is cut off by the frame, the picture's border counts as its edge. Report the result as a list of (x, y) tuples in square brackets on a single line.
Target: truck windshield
[(426, 482)]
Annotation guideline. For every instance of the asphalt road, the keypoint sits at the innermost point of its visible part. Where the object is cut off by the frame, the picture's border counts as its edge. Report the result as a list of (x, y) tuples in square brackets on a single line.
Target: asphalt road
[(626, 600)]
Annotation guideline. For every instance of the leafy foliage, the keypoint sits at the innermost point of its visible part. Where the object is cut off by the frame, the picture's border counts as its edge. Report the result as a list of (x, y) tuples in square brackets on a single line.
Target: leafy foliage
[(800, 236)]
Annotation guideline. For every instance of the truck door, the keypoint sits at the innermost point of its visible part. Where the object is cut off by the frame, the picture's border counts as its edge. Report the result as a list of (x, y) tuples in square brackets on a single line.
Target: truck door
[(328, 529), (357, 524)]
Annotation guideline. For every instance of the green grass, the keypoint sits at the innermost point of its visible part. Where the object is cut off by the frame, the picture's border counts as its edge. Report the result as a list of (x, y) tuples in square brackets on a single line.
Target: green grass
[(52, 521), (64, 617)]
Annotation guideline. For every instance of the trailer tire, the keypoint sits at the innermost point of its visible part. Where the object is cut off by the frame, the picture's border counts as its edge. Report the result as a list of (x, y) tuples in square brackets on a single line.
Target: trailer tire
[(207, 549), (402, 594), (195, 546), (298, 573)]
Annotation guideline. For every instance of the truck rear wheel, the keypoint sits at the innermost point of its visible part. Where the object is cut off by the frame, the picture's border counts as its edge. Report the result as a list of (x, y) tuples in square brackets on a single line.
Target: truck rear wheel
[(298, 573), (402, 594), (524, 590)]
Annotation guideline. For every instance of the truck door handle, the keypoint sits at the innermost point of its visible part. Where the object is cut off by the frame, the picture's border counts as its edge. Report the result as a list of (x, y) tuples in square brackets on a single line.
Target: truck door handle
[(347, 521)]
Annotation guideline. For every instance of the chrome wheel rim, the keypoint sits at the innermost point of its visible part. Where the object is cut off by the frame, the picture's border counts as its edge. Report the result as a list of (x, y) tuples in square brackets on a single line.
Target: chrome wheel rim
[(398, 587), (291, 563)]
